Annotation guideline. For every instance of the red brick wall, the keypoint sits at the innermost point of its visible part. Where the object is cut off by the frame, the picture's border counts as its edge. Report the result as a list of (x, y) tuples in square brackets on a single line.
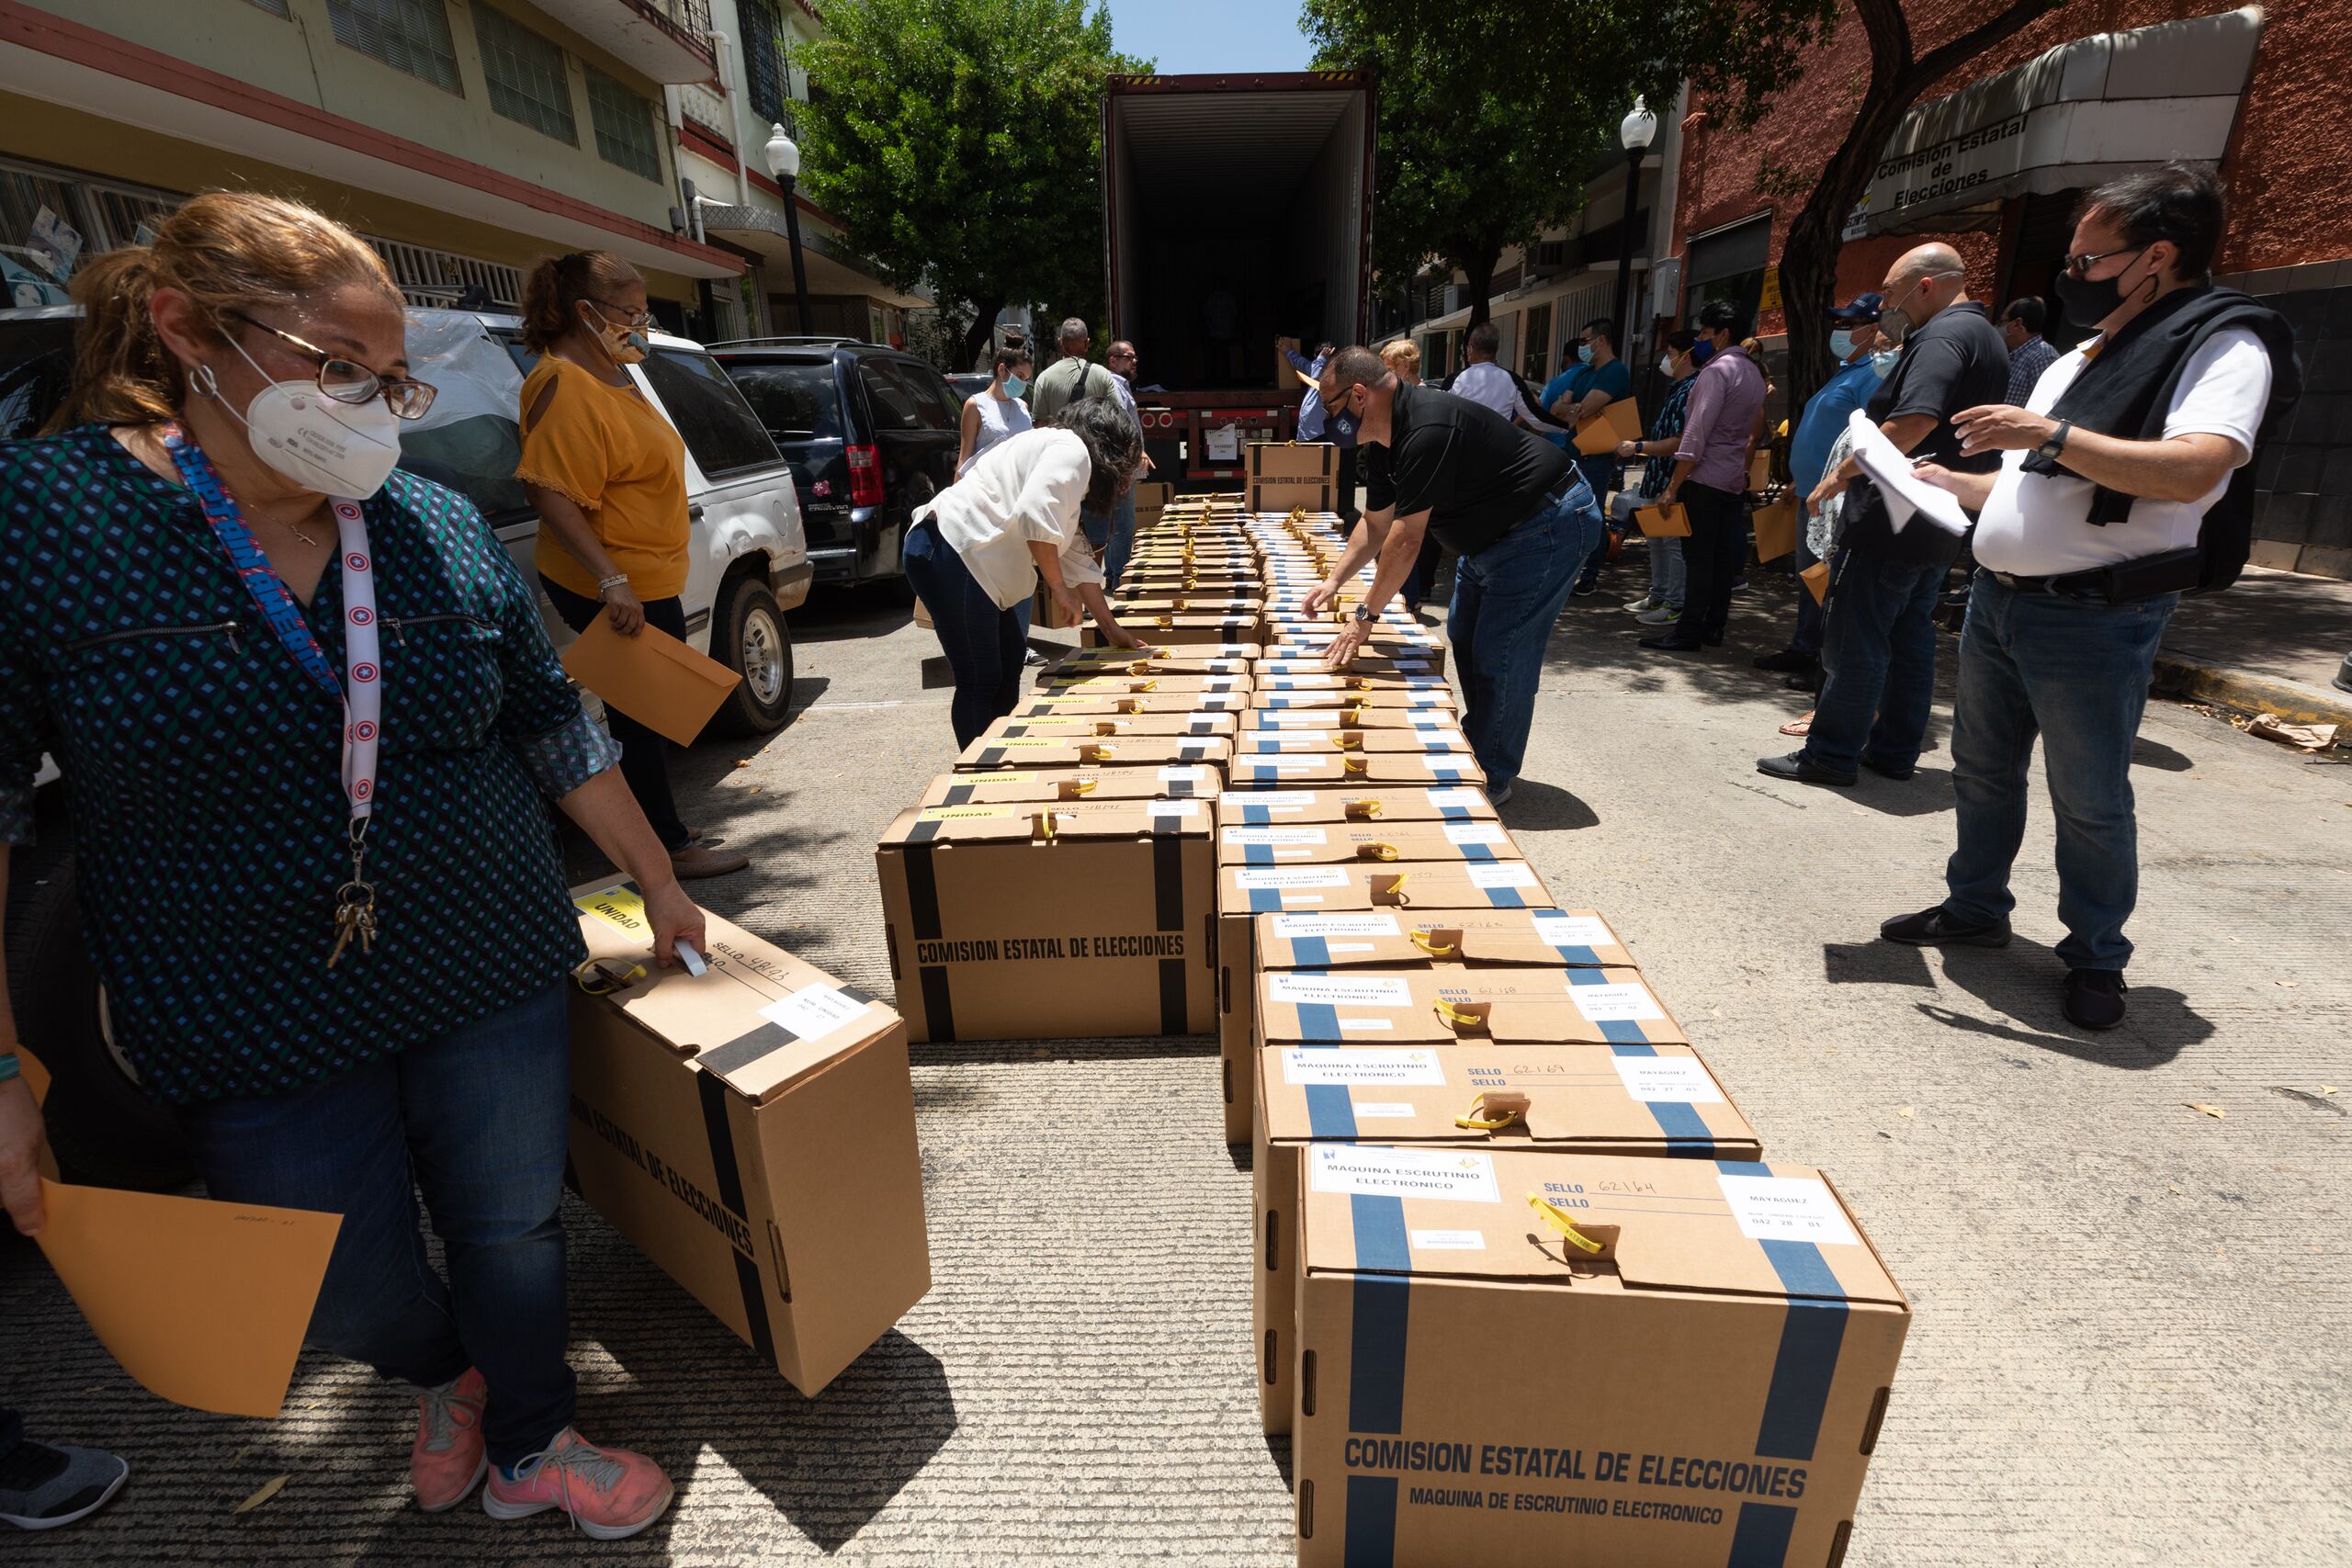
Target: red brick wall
[(2290, 195)]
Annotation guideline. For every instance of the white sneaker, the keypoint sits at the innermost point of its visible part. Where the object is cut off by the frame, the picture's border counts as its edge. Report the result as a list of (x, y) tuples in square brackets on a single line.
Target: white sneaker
[(1663, 615), (1645, 603)]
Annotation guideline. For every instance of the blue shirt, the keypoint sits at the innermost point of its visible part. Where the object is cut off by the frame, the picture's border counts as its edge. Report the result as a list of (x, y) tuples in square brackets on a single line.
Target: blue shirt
[(1310, 411), (1613, 378), (1824, 421)]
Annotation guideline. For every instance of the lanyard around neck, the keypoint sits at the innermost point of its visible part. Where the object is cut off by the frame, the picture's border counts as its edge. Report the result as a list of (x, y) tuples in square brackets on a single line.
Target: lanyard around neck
[(361, 693)]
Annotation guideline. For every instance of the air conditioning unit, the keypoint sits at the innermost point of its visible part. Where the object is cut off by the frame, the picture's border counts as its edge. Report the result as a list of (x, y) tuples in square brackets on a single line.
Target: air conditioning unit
[(1457, 298)]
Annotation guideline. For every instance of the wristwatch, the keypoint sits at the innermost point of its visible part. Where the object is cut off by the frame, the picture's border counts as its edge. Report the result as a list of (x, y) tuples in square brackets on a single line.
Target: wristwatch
[(2057, 442), (1364, 615)]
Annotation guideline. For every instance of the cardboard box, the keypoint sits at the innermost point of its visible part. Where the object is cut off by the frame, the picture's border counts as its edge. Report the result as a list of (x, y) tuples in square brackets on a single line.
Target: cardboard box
[(1353, 887), (1359, 715), (752, 1131), (1455, 803), (1278, 476), (1153, 495), (1296, 742), (1200, 722), (1125, 683), (1191, 781), (1426, 695), (1333, 768), (1049, 704), (1179, 603), (1706, 1390), (1646, 1102), (1315, 678), (1440, 1004), (1031, 753), (1171, 628), (1003, 928), (1348, 842), (1410, 937), (1300, 660), (1201, 658)]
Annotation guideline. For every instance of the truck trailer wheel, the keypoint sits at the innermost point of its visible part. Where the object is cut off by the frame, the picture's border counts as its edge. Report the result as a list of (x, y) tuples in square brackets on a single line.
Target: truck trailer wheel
[(101, 1127), (747, 634)]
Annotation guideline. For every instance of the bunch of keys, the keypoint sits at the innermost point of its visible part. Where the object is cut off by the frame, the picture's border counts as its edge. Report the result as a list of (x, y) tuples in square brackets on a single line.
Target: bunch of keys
[(354, 916)]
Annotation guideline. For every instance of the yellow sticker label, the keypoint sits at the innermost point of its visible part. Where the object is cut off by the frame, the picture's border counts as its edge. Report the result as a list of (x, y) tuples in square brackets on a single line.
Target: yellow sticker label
[(619, 907)]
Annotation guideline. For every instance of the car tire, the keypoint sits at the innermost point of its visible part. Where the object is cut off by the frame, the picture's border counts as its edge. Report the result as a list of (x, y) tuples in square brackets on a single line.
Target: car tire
[(102, 1127), (749, 635)]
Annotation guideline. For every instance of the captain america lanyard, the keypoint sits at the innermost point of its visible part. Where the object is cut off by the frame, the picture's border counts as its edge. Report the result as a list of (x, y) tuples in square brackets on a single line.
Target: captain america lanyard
[(361, 697)]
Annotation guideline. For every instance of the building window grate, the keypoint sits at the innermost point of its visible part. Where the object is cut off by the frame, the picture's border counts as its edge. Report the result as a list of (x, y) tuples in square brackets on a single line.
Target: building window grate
[(763, 78), (624, 126), (407, 35), (427, 277), (528, 80), (275, 7)]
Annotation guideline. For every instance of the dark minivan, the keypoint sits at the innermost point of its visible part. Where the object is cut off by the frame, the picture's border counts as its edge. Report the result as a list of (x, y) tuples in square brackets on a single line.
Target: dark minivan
[(871, 433)]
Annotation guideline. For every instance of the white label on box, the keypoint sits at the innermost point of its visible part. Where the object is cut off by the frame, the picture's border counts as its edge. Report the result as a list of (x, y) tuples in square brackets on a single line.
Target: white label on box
[(1344, 1065), (1610, 1004), (1677, 1078), (1455, 796), (1447, 1241), (1291, 801), (1182, 775), (1290, 926), (1573, 930), (1251, 879), (1787, 1208), (1175, 807), (1504, 873), (1300, 736), (814, 1011), (1406, 1173), (1346, 1023), (1275, 836), (1370, 991), (1475, 834), (1282, 764), (1383, 1110), (1278, 719), (1352, 947)]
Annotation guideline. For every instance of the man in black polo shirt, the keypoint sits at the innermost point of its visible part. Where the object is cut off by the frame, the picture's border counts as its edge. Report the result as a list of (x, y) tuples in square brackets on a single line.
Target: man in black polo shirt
[(1509, 503), (1878, 640)]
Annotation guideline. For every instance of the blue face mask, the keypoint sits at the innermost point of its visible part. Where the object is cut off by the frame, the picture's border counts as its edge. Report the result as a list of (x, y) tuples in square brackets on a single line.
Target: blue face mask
[(1584, 354), (1883, 362), (1014, 386), (1702, 351), (1841, 344)]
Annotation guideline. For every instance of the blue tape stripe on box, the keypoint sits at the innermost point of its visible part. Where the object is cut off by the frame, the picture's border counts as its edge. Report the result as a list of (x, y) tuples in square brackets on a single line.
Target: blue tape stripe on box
[(1759, 1539), (1331, 1112), (1265, 900), (1683, 1124), (1258, 854), (1376, 1357), (1372, 1522), (1310, 952), (1318, 1020)]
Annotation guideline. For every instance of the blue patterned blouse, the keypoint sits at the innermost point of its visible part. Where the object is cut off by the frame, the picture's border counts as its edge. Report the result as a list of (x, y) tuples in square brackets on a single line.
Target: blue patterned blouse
[(203, 773)]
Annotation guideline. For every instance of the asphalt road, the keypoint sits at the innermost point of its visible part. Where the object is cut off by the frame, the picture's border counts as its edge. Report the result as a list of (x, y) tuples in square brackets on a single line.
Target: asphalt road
[(2131, 1316)]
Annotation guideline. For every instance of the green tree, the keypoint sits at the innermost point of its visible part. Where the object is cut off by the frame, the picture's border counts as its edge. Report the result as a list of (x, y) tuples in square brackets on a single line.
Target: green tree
[(1491, 112), (959, 142)]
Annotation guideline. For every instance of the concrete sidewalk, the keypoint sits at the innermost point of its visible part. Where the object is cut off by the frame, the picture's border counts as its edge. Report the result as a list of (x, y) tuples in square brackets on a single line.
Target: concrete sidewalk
[(2273, 643)]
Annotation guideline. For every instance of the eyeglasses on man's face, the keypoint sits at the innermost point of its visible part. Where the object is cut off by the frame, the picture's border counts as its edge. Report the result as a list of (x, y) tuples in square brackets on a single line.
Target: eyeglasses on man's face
[(2080, 266), (348, 381)]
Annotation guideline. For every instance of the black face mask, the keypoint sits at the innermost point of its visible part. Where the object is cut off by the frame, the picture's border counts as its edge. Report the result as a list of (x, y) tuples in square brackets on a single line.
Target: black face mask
[(2089, 301)]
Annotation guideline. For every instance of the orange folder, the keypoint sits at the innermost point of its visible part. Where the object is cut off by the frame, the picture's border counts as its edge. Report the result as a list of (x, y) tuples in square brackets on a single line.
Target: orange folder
[(652, 677), (1669, 521), (1617, 421)]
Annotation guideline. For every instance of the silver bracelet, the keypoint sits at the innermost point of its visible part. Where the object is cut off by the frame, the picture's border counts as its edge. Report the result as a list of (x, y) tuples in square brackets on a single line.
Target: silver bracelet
[(606, 584)]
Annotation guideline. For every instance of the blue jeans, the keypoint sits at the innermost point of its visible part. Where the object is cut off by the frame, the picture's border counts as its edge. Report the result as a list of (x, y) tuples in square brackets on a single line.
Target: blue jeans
[(1807, 638), (1505, 600), (1600, 473), (1878, 663), (983, 644), (479, 1119), (2077, 674), (1114, 537)]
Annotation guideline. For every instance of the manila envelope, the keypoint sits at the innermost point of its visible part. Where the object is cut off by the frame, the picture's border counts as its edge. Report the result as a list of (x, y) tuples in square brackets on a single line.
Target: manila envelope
[(1664, 522), (652, 677), (1760, 469), (1816, 580), (1618, 420), (1776, 530)]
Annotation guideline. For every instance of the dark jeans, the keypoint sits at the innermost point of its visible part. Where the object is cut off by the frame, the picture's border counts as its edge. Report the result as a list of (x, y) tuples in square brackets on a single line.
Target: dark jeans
[(1600, 473), (1807, 638), (645, 754), (1878, 664), (1344, 502), (2078, 675), (478, 1120), (1424, 572), (982, 643), (1113, 536), (1711, 559), (1505, 600)]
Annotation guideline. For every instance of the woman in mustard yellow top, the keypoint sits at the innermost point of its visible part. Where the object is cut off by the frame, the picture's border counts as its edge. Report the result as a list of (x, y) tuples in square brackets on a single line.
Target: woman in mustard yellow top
[(609, 476)]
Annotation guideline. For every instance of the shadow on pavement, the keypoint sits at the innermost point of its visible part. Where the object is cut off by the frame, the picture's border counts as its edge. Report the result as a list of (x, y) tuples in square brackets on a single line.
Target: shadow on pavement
[(2022, 982), (1923, 794), (1875, 964), (2147, 753), (839, 615), (1536, 806)]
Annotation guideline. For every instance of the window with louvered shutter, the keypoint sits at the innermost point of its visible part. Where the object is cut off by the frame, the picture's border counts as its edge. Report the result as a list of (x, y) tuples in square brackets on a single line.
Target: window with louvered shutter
[(764, 80), (624, 126), (526, 73), (408, 35)]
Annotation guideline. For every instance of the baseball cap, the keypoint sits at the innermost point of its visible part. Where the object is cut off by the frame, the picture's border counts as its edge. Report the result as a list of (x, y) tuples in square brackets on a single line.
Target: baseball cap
[(1861, 308)]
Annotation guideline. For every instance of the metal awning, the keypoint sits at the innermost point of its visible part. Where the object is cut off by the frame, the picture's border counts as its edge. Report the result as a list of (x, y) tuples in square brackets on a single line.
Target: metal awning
[(2073, 115), (832, 267)]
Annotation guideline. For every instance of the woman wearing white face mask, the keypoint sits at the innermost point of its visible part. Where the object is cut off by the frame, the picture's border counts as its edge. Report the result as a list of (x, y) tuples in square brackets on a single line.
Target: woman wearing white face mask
[(607, 474), (1684, 352), (307, 715)]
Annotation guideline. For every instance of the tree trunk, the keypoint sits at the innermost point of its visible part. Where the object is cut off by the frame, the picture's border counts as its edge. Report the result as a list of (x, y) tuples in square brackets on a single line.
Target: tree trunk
[(1809, 255), (1478, 266), (978, 336)]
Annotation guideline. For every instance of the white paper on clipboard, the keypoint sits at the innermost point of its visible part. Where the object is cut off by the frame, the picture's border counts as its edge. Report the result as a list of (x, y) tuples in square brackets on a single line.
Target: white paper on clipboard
[(1907, 495)]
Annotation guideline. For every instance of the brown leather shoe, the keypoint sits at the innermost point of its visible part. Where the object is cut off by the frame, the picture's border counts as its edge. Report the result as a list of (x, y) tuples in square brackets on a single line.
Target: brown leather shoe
[(694, 861)]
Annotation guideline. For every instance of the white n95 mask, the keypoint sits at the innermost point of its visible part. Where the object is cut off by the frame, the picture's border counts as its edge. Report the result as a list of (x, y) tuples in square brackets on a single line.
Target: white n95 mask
[(340, 449)]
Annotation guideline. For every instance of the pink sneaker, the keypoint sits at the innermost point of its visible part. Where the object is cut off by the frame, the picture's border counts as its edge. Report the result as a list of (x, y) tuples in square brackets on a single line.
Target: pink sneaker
[(446, 1459), (609, 1493)]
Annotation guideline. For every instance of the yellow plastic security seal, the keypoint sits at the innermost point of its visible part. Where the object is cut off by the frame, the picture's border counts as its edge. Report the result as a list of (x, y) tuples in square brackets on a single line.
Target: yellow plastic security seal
[(1372, 849), (1559, 1221), (1471, 1119), (1432, 946)]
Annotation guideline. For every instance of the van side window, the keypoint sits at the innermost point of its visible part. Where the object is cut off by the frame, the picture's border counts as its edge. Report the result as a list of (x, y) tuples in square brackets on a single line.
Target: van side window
[(718, 426), (890, 400)]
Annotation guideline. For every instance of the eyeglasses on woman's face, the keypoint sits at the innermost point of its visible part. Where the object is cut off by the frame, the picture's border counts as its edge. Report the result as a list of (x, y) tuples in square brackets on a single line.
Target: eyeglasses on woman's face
[(348, 381)]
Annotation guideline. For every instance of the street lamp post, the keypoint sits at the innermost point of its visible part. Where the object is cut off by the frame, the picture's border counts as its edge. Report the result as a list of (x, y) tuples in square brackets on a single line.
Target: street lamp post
[(1636, 133), (783, 163)]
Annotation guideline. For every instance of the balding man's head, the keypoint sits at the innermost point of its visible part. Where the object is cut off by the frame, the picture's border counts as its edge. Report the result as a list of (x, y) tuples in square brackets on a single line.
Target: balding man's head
[(1930, 260), (1923, 281)]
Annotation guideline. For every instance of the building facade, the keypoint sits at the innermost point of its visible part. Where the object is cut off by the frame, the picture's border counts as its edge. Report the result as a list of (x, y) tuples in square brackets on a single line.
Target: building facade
[(1995, 159)]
